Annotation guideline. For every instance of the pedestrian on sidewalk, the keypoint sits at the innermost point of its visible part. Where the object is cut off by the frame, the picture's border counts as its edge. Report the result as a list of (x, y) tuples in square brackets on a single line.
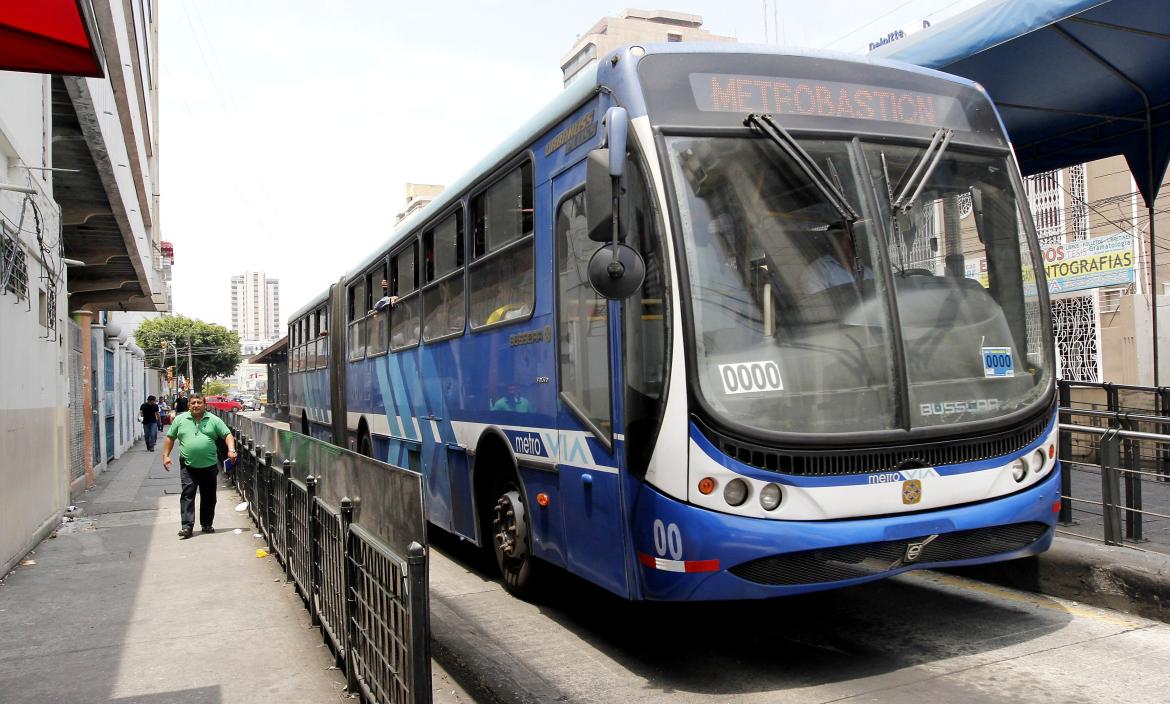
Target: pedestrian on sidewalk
[(148, 413), (180, 404), (197, 431)]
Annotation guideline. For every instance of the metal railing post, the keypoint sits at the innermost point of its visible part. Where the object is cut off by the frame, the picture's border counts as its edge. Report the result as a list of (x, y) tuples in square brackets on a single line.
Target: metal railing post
[(420, 624), (1112, 398), (1111, 487), (253, 505), (289, 536), (269, 480), (1066, 517), (348, 598), (1131, 461), (1162, 455), (314, 557)]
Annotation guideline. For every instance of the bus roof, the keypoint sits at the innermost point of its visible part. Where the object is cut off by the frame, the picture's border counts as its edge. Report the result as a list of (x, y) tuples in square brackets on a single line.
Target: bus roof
[(724, 48), (315, 302), (557, 109), (583, 86)]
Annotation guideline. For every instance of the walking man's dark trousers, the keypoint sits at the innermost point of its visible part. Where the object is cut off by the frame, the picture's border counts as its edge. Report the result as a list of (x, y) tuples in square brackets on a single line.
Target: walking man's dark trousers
[(203, 480)]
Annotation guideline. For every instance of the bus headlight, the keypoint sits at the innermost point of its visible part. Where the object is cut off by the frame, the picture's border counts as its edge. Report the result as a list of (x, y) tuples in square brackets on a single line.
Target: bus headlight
[(1036, 460), (770, 496), (736, 492), (1019, 469)]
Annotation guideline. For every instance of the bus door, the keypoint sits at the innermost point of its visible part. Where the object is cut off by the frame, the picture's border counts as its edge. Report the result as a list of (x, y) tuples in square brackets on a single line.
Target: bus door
[(589, 468)]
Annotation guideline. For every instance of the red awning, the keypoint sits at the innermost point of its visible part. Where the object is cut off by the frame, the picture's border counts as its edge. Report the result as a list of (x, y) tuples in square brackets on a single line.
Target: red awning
[(48, 36)]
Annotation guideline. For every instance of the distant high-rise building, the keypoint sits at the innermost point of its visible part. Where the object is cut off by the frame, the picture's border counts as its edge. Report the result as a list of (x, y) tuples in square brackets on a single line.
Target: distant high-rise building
[(256, 306), (635, 27)]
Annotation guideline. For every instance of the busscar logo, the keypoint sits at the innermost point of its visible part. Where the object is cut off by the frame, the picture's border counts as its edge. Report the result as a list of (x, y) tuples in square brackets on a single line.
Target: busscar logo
[(911, 491), (946, 408)]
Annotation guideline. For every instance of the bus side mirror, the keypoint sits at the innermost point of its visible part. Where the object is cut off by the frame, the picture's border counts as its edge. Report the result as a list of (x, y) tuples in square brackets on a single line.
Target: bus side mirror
[(616, 271), (599, 196), (603, 176)]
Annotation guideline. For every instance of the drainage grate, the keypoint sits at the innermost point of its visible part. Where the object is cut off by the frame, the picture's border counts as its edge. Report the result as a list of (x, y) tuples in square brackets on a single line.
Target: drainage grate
[(868, 559)]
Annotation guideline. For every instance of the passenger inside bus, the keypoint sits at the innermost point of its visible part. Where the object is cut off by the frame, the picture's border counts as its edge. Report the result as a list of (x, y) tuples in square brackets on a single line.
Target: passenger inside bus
[(386, 300), (513, 402)]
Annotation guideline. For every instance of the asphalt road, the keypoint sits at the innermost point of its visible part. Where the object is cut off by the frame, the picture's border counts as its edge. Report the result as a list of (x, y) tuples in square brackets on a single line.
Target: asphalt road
[(922, 637)]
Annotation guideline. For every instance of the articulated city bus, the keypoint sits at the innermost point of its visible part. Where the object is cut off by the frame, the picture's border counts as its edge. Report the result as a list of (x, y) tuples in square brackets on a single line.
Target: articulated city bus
[(720, 322)]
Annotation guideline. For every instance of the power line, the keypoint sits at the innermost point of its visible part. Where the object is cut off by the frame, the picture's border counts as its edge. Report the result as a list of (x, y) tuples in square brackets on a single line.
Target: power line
[(867, 24)]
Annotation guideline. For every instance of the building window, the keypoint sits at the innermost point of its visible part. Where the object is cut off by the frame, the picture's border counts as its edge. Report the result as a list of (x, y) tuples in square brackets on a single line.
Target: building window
[(1111, 299), (13, 265), (1075, 325), (1046, 199), (672, 37)]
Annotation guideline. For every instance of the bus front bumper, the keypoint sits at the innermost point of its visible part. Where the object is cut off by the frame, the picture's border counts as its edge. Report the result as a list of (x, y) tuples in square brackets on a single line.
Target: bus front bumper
[(689, 553)]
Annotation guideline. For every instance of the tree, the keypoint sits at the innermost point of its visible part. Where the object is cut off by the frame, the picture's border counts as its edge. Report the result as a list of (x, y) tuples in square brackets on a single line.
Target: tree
[(215, 387), (214, 349)]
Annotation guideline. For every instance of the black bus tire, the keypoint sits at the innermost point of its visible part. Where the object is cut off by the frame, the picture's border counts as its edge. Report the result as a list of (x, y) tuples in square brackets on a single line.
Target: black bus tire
[(365, 446), (511, 539)]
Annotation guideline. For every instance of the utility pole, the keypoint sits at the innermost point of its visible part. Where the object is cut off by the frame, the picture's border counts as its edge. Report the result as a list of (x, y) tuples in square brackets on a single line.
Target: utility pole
[(190, 367)]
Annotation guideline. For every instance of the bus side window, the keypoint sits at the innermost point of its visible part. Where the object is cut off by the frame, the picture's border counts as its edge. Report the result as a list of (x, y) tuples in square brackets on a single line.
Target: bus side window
[(501, 272), (443, 301), (357, 339), (377, 322), (310, 349), (404, 316), (292, 347), (322, 341)]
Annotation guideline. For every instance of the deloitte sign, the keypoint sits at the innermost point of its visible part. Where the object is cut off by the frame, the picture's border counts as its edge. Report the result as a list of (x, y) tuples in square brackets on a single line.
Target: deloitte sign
[(899, 34)]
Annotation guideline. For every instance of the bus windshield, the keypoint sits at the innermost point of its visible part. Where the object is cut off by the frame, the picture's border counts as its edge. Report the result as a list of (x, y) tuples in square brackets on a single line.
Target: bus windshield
[(794, 312)]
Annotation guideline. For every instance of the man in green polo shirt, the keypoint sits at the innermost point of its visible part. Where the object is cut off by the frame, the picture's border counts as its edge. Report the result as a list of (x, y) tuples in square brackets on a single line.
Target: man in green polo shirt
[(197, 431)]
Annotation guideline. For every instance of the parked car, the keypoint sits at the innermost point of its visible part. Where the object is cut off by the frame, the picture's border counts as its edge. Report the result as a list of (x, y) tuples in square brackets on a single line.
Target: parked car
[(223, 403), (250, 403)]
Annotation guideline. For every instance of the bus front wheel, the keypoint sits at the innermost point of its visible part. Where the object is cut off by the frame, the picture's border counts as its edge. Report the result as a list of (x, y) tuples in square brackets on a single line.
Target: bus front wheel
[(511, 540)]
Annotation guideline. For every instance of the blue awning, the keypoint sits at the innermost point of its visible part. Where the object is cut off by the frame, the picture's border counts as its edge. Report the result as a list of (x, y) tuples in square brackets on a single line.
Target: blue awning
[(1074, 80)]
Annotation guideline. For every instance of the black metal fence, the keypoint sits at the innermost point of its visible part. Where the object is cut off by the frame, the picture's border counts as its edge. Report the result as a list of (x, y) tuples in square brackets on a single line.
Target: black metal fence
[(351, 535), (1115, 445)]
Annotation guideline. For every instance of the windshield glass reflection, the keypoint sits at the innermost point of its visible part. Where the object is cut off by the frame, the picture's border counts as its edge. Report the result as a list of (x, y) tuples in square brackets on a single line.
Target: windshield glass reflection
[(789, 305)]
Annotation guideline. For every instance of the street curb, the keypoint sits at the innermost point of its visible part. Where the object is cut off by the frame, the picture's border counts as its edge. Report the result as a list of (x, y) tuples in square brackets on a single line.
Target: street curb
[(1119, 578)]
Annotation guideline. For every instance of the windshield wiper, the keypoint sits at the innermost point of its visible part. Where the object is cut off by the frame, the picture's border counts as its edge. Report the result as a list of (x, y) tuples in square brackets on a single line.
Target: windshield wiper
[(922, 171), (792, 148)]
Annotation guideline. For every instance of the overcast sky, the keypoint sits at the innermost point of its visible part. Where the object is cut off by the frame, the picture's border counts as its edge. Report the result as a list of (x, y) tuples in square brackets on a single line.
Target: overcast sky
[(288, 128)]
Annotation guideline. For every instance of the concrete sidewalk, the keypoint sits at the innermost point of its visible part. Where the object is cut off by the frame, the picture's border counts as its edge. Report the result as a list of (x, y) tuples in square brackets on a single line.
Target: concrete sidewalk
[(117, 609)]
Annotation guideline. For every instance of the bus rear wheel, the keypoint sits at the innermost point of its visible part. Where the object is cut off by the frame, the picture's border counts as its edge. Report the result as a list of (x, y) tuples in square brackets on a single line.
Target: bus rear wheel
[(511, 541)]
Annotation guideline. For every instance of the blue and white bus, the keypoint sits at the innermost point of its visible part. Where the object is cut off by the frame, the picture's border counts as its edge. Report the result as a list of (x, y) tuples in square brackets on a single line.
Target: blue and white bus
[(821, 354)]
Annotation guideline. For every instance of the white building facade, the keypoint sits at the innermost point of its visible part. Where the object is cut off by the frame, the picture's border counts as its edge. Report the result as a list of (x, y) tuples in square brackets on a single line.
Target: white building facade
[(79, 235), (256, 306)]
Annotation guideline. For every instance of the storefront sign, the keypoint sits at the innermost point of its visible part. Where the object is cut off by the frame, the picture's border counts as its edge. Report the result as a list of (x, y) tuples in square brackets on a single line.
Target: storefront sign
[(1091, 263), (1075, 266)]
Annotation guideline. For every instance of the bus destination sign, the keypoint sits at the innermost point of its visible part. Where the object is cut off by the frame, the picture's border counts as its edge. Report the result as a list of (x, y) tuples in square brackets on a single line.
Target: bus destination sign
[(721, 92)]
